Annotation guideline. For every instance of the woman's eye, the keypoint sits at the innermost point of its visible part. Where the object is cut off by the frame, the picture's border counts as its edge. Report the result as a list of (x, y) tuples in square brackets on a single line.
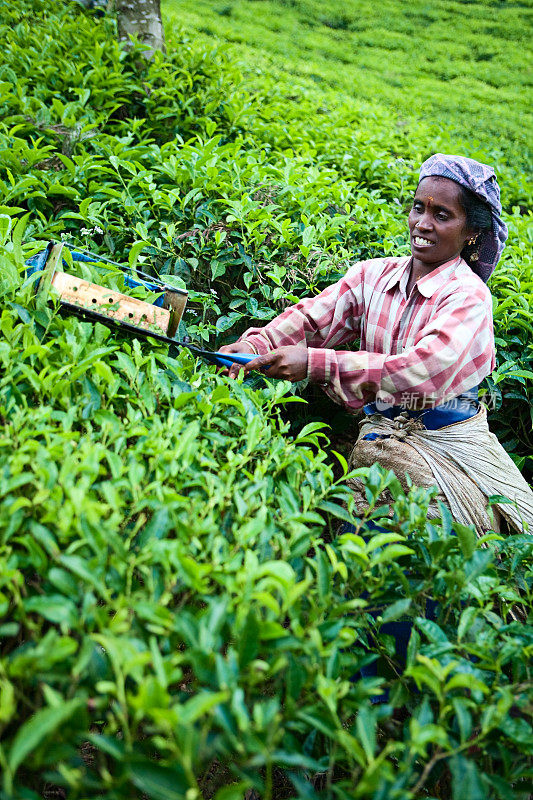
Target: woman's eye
[(442, 217)]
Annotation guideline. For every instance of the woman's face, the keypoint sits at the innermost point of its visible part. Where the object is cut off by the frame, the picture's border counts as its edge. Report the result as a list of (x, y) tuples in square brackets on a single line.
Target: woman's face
[(437, 222)]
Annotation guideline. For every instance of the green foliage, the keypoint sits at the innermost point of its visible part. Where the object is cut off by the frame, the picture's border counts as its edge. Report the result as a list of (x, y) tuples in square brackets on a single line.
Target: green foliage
[(179, 616), (512, 382), (174, 618), (459, 67)]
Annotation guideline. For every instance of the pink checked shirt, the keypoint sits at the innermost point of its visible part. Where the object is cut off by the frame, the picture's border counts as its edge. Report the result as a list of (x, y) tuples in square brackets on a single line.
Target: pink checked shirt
[(430, 346)]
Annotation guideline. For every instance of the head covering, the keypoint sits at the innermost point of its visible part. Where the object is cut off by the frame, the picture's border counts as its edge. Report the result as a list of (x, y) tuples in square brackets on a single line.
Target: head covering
[(481, 180)]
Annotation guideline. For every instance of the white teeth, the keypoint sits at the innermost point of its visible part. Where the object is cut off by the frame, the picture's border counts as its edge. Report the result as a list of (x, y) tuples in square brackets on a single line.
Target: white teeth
[(422, 242)]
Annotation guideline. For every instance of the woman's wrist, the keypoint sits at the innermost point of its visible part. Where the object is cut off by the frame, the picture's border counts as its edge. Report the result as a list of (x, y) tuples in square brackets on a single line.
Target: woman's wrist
[(318, 365)]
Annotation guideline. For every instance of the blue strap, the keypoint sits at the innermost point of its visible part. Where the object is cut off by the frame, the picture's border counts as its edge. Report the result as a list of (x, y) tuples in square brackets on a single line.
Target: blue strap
[(459, 408)]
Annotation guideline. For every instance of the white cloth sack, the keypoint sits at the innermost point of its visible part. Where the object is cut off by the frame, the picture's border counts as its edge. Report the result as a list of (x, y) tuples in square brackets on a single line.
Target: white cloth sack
[(465, 448)]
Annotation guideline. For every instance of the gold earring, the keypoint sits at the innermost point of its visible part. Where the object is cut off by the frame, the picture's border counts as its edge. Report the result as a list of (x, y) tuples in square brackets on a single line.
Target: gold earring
[(475, 255)]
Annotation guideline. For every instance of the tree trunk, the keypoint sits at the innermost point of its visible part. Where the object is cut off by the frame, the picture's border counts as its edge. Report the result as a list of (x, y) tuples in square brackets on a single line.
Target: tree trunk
[(143, 19)]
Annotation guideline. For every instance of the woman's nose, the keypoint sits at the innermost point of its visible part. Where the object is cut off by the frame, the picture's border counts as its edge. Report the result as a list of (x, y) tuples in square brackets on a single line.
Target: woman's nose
[(424, 222)]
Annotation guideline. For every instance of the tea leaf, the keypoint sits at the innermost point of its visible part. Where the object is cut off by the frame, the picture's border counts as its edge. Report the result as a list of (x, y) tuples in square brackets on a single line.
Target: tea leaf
[(37, 729)]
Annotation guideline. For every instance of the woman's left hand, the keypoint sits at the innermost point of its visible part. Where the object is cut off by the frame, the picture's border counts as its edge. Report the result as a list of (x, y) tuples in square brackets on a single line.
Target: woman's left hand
[(289, 362)]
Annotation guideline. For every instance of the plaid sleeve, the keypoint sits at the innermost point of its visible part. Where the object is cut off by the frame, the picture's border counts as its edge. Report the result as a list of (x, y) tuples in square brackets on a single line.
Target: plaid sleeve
[(452, 353), (329, 319)]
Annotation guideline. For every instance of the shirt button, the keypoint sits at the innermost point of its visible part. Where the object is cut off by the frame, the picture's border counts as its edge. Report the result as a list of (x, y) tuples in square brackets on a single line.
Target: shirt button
[(324, 384)]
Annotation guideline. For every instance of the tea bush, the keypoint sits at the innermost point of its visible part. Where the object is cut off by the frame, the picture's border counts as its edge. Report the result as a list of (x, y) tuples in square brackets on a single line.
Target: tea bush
[(180, 616), (177, 621)]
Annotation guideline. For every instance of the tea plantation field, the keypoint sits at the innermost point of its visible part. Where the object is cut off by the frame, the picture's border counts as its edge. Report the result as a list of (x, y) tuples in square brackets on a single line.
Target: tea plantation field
[(462, 67), (182, 615)]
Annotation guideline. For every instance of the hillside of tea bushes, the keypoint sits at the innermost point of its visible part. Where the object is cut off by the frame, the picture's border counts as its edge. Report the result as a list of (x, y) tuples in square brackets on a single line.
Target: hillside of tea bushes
[(181, 617), (463, 67)]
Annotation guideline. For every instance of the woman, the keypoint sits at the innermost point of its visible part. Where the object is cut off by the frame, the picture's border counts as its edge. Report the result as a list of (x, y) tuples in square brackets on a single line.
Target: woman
[(427, 341)]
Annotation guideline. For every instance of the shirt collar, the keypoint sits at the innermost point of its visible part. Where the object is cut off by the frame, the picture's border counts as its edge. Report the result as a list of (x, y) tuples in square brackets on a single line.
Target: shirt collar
[(428, 284), (397, 273)]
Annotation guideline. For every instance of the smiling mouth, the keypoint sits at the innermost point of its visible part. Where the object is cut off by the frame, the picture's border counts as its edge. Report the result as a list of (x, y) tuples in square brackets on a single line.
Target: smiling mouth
[(421, 242)]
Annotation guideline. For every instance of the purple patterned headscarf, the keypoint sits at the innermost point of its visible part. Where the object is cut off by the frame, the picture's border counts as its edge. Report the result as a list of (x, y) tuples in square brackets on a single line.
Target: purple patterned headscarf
[(481, 180)]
